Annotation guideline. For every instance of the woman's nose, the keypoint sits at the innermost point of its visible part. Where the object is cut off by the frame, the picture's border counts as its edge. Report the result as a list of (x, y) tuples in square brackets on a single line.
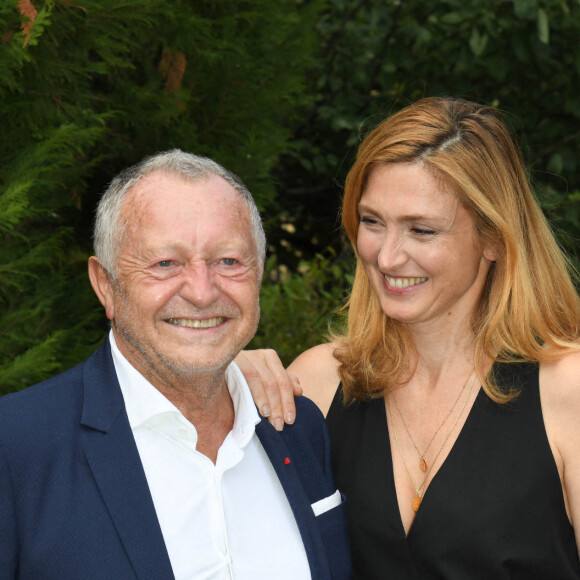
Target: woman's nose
[(392, 253)]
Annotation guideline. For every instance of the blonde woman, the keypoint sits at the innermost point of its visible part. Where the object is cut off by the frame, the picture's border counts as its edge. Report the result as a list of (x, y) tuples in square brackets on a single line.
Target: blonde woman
[(453, 397)]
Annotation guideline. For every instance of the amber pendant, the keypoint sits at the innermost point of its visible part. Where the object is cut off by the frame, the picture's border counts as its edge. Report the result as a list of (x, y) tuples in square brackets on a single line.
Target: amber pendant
[(423, 465), (416, 503)]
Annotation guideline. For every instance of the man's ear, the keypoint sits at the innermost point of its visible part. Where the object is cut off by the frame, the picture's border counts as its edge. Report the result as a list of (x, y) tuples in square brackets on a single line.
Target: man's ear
[(101, 283)]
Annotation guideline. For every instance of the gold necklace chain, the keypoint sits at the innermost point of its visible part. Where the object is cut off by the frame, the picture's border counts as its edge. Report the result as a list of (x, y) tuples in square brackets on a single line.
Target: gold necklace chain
[(422, 461), (419, 491)]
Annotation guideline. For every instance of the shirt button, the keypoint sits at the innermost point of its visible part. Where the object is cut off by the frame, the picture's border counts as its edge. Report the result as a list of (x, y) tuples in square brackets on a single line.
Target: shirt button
[(183, 432)]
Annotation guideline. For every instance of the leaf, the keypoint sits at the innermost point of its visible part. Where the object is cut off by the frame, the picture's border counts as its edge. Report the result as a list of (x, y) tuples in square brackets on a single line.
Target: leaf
[(477, 42), (27, 10), (556, 164), (525, 8), (543, 27), (452, 18), (172, 68)]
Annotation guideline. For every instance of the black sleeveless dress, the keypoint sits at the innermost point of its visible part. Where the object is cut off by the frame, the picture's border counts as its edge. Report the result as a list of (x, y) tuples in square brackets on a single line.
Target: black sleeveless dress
[(493, 511)]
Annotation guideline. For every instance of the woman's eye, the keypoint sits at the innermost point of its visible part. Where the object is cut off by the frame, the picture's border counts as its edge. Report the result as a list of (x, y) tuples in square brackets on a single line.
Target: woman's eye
[(229, 261), (165, 263), (367, 220), (423, 231)]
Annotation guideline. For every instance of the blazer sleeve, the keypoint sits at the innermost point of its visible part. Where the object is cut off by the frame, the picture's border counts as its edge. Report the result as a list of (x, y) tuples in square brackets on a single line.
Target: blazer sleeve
[(8, 544)]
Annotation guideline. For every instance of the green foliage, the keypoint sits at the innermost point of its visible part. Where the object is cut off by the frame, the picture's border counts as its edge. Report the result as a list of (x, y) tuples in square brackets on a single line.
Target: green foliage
[(297, 307), (90, 87), (281, 93), (376, 56)]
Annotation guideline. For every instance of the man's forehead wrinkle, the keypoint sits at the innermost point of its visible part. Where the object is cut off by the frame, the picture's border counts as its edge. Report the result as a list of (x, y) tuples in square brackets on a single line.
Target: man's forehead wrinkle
[(142, 194), (135, 207), (142, 206)]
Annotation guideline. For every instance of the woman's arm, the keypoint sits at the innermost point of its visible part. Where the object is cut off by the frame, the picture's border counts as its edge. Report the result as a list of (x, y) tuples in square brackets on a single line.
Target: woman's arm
[(272, 387), (560, 394), (314, 373)]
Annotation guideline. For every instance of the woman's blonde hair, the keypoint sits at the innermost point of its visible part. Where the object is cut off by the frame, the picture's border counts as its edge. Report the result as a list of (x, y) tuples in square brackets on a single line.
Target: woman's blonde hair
[(528, 300)]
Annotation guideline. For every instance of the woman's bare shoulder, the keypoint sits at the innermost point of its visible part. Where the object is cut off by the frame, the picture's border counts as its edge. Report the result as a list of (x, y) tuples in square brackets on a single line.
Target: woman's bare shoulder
[(560, 395), (317, 371), (560, 381)]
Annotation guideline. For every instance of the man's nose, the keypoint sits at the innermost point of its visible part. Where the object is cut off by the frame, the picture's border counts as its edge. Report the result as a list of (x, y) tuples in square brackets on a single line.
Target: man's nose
[(199, 285)]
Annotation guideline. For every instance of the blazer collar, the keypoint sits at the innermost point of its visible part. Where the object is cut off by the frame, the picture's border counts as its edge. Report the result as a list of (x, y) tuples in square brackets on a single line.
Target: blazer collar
[(278, 451), (112, 455)]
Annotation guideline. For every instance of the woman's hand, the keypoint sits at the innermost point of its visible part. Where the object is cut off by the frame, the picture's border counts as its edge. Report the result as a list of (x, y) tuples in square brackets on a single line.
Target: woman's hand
[(273, 389)]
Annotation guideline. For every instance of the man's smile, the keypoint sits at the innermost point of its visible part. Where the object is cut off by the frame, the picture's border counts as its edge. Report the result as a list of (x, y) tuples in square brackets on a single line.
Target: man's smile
[(197, 323)]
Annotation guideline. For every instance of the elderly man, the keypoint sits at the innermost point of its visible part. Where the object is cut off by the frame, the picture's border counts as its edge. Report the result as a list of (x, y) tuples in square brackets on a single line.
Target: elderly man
[(149, 460)]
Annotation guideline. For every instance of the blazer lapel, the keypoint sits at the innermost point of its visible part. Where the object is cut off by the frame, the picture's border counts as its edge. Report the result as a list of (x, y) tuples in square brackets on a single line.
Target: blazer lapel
[(277, 450), (113, 458)]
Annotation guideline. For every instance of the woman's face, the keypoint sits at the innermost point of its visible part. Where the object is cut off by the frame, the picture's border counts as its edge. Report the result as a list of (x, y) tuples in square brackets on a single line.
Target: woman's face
[(420, 247)]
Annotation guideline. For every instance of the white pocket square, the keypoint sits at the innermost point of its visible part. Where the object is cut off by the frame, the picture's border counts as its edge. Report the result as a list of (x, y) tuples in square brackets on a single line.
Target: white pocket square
[(323, 505)]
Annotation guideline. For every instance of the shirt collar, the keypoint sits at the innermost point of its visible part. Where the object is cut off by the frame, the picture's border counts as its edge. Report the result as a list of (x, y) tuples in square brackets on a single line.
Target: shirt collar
[(144, 402), (245, 413)]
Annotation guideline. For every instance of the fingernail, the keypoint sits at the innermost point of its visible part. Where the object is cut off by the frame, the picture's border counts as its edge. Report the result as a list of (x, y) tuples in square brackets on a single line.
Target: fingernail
[(289, 418), (278, 424), (265, 411)]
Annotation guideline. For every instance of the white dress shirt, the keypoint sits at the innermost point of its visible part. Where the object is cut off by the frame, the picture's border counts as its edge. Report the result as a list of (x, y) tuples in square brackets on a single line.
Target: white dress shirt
[(228, 521)]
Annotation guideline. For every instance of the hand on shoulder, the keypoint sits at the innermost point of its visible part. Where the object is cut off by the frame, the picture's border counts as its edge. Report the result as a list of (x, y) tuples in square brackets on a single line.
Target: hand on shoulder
[(314, 372), (273, 388)]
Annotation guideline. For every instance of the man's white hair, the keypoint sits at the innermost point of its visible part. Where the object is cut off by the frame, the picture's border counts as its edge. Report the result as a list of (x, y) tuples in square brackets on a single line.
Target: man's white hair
[(111, 223)]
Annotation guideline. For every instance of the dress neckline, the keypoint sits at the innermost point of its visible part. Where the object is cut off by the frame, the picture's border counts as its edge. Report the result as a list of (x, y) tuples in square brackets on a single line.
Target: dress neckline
[(449, 460)]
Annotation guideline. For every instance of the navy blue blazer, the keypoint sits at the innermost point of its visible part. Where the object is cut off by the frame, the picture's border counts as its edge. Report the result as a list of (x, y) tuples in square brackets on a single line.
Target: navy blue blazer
[(74, 500)]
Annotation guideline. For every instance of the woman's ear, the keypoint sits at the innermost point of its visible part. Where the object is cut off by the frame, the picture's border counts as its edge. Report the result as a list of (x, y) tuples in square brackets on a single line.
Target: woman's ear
[(490, 254)]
